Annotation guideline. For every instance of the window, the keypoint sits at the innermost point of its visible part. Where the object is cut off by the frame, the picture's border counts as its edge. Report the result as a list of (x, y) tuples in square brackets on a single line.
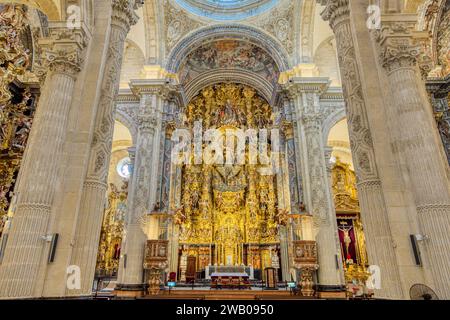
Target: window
[(124, 168)]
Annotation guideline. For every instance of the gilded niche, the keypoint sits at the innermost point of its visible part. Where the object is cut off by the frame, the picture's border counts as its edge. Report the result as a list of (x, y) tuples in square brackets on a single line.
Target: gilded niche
[(112, 230), (344, 188), (228, 205)]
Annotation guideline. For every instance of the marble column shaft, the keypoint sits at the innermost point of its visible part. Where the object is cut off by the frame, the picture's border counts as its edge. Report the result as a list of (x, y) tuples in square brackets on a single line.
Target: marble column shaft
[(26, 248), (93, 197), (374, 213), (415, 141)]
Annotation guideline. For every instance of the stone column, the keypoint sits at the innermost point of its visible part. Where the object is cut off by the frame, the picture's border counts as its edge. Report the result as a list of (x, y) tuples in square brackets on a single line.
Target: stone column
[(26, 249), (93, 197), (143, 193), (318, 198), (380, 247), (416, 142)]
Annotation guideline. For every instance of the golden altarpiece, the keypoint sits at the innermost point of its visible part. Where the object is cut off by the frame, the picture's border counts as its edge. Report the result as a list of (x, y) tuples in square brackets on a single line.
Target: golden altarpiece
[(112, 231), (350, 229), (229, 214), (18, 97)]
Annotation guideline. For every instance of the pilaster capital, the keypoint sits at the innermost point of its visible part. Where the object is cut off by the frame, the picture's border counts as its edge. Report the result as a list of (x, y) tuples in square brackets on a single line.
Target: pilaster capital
[(124, 13), (312, 121), (63, 50), (161, 88), (147, 122), (335, 12), (297, 86), (398, 41)]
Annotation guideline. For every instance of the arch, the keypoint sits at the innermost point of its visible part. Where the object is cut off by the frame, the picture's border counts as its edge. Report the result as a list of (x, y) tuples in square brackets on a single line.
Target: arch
[(255, 81), (227, 31), (306, 34), (336, 116), (133, 62), (325, 58), (338, 138), (151, 32), (125, 118)]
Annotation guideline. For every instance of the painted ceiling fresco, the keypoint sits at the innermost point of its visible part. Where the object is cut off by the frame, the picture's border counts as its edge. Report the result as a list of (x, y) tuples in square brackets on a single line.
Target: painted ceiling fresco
[(229, 54)]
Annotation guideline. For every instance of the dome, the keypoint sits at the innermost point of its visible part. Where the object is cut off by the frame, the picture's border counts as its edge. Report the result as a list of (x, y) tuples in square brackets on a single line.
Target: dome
[(227, 9)]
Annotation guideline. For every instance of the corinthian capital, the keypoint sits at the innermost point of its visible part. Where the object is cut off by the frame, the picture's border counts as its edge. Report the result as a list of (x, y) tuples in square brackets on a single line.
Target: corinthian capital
[(124, 13), (336, 11), (397, 40), (63, 50)]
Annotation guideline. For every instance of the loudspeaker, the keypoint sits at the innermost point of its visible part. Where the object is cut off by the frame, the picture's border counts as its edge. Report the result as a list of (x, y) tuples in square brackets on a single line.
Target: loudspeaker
[(53, 244), (416, 250)]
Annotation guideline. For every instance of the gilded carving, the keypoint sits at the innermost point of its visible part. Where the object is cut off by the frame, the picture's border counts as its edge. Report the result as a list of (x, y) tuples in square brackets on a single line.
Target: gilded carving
[(280, 23), (16, 105), (228, 206), (177, 24), (112, 231)]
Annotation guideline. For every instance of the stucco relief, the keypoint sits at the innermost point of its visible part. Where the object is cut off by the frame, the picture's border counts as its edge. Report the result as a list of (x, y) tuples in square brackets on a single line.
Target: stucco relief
[(177, 24), (280, 22)]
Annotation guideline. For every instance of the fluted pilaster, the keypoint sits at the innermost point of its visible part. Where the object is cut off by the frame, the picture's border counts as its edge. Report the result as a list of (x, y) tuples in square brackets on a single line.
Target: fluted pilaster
[(318, 199), (324, 216), (26, 246), (414, 140), (143, 192), (91, 211), (373, 207)]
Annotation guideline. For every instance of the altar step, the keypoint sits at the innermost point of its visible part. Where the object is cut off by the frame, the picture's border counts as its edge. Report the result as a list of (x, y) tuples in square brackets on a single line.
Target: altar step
[(227, 295)]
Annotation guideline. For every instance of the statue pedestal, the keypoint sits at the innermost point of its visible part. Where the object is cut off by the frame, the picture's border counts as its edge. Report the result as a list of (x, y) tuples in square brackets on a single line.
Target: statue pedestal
[(155, 263)]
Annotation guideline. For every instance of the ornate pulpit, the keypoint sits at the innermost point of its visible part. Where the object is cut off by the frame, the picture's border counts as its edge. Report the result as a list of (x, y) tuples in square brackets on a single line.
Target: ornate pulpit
[(305, 260), (154, 263)]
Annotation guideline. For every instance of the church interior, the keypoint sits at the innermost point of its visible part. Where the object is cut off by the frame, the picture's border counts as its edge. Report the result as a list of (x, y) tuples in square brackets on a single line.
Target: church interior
[(351, 97)]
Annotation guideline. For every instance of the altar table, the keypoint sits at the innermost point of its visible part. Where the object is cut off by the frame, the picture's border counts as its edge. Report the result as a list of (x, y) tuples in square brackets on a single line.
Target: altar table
[(230, 281)]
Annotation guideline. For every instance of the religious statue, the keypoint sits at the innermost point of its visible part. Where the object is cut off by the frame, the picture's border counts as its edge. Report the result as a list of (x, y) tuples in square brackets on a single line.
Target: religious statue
[(347, 242)]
